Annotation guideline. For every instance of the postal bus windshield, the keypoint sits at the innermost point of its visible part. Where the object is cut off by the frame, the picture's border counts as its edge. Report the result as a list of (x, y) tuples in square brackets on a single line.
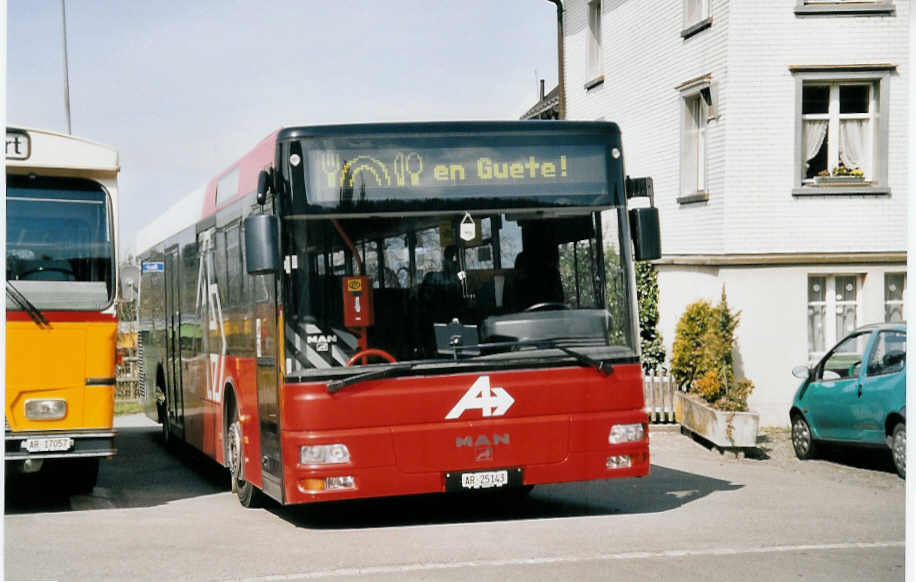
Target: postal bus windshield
[(405, 173)]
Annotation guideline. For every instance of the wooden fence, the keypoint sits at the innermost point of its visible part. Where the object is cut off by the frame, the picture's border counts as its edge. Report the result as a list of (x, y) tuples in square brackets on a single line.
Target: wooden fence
[(658, 389)]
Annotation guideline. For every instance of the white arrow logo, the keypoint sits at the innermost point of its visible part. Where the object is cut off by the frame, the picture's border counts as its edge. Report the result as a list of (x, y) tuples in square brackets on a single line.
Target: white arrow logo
[(490, 401)]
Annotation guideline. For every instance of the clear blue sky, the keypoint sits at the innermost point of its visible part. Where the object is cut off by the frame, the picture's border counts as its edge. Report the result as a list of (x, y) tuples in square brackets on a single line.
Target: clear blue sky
[(182, 89)]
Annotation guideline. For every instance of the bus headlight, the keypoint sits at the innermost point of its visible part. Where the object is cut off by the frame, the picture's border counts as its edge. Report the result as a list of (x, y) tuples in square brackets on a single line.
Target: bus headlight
[(50, 409), (324, 454), (626, 433)]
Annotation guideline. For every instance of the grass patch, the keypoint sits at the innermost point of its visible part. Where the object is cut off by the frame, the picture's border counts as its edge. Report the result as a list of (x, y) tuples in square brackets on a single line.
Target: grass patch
[(127, 407)]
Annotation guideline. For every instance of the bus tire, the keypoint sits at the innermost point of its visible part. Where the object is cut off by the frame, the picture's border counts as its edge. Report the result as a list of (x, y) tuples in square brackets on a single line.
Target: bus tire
[(85, 475), (249, 495)]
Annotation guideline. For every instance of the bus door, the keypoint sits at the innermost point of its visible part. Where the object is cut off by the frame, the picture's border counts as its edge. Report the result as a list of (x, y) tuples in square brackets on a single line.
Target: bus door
[(267, 342), (173, 398)]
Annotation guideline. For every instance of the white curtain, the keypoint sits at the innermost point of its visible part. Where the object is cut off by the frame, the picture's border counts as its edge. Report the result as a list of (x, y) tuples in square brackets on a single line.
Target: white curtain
[(855, 144), (815, 132)]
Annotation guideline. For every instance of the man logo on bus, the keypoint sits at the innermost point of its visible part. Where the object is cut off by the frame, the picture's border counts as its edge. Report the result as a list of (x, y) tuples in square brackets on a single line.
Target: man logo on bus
[(491, 401)]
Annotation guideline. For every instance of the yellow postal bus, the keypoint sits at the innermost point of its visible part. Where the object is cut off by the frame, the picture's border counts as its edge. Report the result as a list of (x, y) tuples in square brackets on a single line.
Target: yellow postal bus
[(61, 283)]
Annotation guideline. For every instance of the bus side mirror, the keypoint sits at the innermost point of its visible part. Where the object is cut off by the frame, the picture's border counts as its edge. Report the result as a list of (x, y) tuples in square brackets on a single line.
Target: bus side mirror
[(646, 234), (263, 186), (644, 228), (262, 240)]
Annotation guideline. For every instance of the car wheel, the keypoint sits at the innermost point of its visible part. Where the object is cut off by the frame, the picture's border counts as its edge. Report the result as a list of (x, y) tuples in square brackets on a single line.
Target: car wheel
[(802, 441), (898, 448), (249, 496)]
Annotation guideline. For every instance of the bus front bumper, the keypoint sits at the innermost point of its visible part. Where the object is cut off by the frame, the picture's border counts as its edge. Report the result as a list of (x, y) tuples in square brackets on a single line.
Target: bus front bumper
[(74, 444)]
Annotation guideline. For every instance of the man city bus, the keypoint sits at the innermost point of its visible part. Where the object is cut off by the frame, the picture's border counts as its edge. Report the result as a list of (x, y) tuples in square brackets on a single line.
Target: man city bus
[(385, 309)]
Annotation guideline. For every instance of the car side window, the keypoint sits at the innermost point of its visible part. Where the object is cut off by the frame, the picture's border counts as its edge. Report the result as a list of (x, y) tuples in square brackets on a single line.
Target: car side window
[(888, 356), (845, 360)]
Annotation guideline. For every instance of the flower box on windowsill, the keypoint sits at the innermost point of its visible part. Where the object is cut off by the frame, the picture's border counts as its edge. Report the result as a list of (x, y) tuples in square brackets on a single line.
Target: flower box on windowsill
[(839, 181)]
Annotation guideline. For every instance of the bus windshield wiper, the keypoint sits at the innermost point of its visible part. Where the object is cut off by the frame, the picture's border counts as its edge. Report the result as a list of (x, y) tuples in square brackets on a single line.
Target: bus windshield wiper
[(602, 366), (34, 313), (386, 372)]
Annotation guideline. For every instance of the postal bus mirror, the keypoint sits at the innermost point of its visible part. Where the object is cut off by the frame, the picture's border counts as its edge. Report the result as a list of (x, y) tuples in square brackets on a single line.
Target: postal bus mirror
[(262, 252)]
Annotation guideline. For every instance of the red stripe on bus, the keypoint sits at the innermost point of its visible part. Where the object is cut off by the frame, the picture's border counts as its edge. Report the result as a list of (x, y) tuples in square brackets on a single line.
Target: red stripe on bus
[(63, 316)]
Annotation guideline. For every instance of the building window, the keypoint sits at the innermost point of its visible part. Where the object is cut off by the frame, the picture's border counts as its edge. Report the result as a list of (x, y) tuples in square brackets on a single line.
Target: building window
[(838, 127), (595, 63), (894, 287), (833, 310), (842, 130), (696, 99), (696, 17)]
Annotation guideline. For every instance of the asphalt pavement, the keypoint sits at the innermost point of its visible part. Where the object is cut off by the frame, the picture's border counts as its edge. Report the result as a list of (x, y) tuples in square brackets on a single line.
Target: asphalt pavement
[(700, 515)]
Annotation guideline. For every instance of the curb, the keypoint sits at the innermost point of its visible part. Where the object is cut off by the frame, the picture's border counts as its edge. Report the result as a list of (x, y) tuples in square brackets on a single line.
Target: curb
[(666, 427)]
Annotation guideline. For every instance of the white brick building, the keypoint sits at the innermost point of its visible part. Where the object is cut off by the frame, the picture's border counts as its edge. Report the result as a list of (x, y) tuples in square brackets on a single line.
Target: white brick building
[(734, 107)]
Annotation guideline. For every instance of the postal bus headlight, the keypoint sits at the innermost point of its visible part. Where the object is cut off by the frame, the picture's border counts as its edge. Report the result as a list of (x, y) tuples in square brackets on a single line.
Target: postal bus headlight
[(626, 433), (324, 454), (46, 409)]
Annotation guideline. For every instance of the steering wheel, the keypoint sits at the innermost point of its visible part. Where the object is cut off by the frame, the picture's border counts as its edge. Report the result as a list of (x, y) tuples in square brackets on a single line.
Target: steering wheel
[(43, 269), (547, 306), (363, 354)]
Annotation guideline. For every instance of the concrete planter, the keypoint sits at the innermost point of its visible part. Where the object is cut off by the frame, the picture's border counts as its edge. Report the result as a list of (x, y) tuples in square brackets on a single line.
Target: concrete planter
[(722, 428)]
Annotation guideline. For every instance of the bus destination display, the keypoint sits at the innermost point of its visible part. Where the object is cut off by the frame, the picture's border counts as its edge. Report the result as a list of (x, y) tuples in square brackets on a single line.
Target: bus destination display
[(378, 174)]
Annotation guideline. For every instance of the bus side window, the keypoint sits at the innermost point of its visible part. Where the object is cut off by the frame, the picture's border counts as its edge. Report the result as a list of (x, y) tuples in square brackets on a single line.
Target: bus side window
[(190, 269), (219, 265), (233, 266)]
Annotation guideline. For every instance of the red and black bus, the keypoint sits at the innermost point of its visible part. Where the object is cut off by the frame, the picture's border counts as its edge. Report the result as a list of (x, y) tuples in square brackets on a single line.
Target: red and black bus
[(385, 309)]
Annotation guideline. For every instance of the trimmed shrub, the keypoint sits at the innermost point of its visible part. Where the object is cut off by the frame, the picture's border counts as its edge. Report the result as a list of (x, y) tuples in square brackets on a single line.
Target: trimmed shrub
[(702, 355), (687, 349)]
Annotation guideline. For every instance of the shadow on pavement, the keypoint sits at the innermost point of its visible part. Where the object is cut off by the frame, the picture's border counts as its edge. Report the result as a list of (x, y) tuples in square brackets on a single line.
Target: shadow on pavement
[(776, 445), (664, 489), (144, 473), (871, 458)]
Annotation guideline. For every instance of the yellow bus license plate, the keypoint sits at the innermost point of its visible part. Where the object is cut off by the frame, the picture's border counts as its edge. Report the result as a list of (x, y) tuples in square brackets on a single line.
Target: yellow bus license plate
[(47, 445)]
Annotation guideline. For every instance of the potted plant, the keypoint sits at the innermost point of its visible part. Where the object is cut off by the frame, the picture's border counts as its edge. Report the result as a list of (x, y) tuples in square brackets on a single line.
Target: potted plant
[(841, 175), (712, 402)]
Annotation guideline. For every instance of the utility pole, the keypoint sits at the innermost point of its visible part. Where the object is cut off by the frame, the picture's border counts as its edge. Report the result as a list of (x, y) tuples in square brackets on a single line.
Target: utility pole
[(63, 6)]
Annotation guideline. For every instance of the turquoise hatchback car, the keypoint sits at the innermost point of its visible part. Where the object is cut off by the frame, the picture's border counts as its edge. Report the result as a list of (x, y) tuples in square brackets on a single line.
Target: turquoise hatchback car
[(856, 394)]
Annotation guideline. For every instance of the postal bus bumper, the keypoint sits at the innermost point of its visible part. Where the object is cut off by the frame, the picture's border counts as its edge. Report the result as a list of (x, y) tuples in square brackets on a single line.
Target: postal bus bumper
[(72, 444)]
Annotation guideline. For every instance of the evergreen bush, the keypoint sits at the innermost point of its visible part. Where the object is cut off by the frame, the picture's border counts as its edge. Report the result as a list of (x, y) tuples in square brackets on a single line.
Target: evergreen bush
[(687, 349), (703, 355), (650, 338)]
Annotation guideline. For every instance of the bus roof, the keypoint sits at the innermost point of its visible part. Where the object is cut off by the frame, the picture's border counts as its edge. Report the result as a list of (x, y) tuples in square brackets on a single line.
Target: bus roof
[(439, 127), (180, 215), (39, 148)]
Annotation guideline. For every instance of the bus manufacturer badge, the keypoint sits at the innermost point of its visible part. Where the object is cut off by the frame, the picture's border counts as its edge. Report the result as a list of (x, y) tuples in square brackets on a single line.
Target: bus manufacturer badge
[(491, 401)]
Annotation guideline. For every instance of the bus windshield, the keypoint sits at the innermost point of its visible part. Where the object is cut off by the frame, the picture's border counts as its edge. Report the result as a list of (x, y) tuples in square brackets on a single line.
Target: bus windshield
[(59, 250), (488, 277)]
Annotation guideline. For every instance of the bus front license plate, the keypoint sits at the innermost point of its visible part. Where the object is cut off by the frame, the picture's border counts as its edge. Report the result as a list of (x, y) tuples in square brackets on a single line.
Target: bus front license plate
[(47, 445), (483, 480)]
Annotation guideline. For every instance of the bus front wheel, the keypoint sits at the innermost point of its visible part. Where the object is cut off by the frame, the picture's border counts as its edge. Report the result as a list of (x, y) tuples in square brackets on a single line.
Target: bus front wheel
[(248, 494)]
